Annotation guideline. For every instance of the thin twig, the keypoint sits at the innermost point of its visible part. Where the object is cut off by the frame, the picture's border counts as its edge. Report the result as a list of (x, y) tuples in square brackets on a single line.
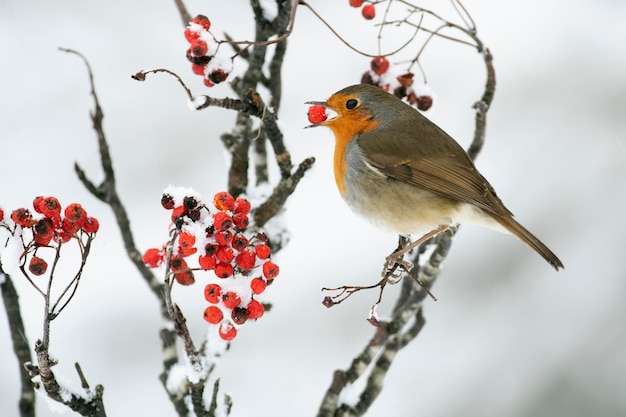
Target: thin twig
[(345, 42), (85, 249)]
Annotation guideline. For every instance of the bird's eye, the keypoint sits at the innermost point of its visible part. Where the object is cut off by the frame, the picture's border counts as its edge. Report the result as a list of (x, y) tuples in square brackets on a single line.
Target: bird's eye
[(352, 104)]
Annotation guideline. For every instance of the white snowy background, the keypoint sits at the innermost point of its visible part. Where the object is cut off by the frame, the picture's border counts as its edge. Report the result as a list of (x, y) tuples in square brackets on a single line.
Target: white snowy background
[(508, 336)]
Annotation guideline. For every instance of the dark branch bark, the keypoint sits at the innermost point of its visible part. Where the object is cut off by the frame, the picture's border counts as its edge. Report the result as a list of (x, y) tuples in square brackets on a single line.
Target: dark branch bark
[(21, 348)]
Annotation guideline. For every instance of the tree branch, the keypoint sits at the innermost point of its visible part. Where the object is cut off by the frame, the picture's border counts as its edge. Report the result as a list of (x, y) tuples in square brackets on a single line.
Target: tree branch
[(21, 348), (107, 191)]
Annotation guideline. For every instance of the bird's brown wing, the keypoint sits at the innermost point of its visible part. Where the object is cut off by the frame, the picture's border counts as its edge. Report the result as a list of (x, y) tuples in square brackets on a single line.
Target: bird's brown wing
[(432, 161)]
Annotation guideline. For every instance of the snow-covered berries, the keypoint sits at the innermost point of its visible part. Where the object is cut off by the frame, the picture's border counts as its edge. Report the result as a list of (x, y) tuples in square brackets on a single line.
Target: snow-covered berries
[(214, 238), (203, 52)]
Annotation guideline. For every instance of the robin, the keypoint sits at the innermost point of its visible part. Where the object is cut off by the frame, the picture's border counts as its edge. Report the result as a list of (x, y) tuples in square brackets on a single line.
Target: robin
[(401, 171)]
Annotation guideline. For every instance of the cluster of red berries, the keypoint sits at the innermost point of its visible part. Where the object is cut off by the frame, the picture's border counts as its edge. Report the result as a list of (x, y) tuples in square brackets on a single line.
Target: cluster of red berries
[(241, 264), (401, 86), (53, 226), (368, 11), (202, 52)]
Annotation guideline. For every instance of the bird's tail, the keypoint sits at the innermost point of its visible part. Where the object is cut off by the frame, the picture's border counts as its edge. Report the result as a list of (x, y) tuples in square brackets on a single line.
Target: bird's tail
[(518, 230)]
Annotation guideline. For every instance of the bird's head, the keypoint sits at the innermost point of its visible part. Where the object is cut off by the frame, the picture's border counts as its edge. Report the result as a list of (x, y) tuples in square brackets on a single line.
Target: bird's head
[(358, 109)]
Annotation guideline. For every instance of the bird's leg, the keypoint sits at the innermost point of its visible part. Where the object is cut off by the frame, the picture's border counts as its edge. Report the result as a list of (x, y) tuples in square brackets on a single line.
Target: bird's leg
[(396, 259)]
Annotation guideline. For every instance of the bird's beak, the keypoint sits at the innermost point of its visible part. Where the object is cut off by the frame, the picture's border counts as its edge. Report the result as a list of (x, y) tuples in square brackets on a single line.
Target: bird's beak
[(330, 116)]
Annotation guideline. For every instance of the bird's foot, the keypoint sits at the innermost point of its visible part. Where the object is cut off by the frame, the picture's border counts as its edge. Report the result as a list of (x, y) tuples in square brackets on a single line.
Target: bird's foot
[(394, 266)]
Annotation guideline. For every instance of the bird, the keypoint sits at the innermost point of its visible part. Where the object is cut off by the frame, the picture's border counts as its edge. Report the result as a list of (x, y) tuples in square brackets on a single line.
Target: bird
[(398, 169)]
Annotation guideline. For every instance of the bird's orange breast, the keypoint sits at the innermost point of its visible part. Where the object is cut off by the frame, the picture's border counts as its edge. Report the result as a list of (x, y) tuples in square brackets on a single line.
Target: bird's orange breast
[(347, 129)]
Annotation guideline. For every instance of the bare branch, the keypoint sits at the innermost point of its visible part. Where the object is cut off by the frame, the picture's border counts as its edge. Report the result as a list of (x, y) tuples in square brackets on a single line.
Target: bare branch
[(21, 347), (107, 191)]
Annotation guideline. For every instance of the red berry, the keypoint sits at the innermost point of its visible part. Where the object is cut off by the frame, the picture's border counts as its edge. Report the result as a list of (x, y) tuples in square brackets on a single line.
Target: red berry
[(262, 251), (368, 11), (317, 113), (231, 299), (246, 259), (51, 208), (69, 227), (400, 92), (213, 314), (207, 262), (222, 220), (208, 82), (224, 201), (239, 315), (227, 331), (190, 202), (367, 78), (239, 242), (167, 201), (199, 47), (255, 309), (178, 264), (379, 65), (424, 102), (75, 213), (224, 237), (258, 285), (181, 271), (194, 214), (242, 206), (185, 243), (218, 75), (212, 293), (37, 266), (211, 248), (1, 214), (23, 217), (62, 236), (241, 220), (43, 232), (356, 3), (178, 212), (198, 69), (270, 270), (203, 21), (405, 80), (184, 278), (91, 225), (152, 257), (38, 203), (223, 270), (191, 35), (225, 254)]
